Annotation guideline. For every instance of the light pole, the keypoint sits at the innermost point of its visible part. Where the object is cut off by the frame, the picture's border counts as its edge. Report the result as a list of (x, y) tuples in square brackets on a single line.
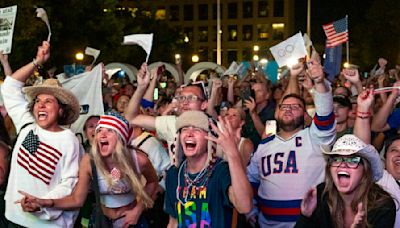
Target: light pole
[(218, 32)]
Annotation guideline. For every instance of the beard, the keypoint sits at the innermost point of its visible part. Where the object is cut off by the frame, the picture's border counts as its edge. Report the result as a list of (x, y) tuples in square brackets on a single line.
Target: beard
[(290, 125)]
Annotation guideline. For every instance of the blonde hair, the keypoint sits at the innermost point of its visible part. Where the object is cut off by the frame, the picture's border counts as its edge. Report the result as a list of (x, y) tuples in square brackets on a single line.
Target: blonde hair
[(125, 162), (369, 193)]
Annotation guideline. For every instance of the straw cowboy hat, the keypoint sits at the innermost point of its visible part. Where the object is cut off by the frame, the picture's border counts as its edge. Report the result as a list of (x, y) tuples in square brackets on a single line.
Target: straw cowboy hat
[(54, 88), (349, 145)]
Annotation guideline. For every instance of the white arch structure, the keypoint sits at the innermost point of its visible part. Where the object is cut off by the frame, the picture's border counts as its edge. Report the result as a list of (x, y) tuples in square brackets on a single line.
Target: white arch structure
[(130, 70), (192, 73), (196, 69), (168, 67)]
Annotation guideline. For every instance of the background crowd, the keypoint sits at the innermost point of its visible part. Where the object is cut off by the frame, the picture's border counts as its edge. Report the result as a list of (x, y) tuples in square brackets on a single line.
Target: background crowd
[(222, 151)]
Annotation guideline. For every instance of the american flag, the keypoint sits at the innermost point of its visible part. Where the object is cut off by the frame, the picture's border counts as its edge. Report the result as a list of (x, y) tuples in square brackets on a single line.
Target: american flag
[(336, 33), (37, 158)]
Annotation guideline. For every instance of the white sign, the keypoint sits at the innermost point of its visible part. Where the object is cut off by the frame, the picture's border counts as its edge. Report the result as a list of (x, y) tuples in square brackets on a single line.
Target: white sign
[(289, 51), (7, 22)]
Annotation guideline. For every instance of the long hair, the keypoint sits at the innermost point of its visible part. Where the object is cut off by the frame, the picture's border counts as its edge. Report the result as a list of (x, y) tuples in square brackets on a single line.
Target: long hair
[(368, 192), (124, 161)]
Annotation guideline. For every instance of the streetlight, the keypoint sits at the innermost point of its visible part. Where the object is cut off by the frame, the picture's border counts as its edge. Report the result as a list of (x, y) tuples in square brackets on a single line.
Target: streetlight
[(79, 56), (346, 65), (256, 48), (256, 58), (195, 58)]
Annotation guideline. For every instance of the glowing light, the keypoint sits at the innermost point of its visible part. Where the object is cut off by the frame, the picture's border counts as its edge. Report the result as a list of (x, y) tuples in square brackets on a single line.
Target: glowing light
[(256, 58), (79, 56), (264, 61), (346, 65), (195, 58), (256, 48)]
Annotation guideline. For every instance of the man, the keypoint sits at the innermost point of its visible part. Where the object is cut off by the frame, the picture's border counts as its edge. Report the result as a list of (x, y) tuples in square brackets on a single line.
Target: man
[(201, 190), (190, 97), (46, 155), (260, 109), (342, 107), (287, 164)]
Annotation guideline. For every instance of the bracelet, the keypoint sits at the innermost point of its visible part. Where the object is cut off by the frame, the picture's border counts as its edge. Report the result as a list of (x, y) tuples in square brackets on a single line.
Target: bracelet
[(36, 64), (367, 113), (364, 117)]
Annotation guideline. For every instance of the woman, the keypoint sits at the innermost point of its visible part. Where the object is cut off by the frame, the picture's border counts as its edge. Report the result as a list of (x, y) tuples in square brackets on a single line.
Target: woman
[(235, 116), (122, 194), (349, 197)]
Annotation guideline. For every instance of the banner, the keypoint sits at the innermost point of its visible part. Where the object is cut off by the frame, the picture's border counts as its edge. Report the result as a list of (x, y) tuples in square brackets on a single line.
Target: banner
[(333, 60), (7, 22), (87, 88)]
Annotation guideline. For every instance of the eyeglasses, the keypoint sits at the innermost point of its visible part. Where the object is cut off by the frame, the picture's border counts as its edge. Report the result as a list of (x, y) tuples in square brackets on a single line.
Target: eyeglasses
[(294, 107), (189, 98), (351, 162), (199, 84)]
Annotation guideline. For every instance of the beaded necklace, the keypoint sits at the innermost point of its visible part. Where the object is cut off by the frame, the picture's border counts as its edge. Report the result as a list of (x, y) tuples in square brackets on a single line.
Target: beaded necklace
[(201, 179)]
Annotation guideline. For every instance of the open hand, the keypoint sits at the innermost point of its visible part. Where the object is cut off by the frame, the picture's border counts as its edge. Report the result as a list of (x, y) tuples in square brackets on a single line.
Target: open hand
[(309, 202)]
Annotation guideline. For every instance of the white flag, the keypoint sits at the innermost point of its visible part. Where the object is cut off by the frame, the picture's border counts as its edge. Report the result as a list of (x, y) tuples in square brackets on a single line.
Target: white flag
[(92, 52), (143, 40), (233, 69), (41, 13), (289, 51)]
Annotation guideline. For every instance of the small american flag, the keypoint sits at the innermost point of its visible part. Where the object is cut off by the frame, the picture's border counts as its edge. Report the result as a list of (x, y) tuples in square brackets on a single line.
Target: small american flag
[(336, 33), (37, 158)]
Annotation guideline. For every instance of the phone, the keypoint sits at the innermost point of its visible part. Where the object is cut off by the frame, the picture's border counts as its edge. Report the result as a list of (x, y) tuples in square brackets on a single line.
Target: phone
[(270, 127), (161, 69), (163, 84), (155, 96), (247, 93)]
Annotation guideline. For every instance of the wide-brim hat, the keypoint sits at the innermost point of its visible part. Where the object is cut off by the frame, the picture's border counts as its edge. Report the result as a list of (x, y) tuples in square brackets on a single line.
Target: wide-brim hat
[(352, 145), (195, 119), (54, 88)]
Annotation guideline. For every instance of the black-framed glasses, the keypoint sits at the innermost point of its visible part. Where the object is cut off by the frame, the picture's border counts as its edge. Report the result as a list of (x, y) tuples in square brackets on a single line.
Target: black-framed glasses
[(189, 98), (351, 162), (294, 107)]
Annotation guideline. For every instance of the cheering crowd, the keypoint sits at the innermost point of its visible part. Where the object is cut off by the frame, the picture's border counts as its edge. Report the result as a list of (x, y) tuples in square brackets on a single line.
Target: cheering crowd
[(241, 152)]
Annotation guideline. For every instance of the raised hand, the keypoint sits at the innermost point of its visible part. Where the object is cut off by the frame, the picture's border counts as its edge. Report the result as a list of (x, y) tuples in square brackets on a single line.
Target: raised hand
[(360, 216), (309, 202), (227, 138), (143, 76), (43, 53), (315, 70), (351, 75), (250, 105), (365, 100), (3, 57)]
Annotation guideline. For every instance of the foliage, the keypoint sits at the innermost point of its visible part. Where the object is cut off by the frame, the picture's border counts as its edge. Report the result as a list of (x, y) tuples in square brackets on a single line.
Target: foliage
[(76, 24)]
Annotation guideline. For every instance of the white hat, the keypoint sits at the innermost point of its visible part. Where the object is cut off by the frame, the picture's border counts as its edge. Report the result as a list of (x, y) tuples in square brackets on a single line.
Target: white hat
[(349, 145)]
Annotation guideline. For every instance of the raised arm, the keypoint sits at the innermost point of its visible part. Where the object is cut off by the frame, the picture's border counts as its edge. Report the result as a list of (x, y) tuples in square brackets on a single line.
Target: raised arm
[(6, 65), (216, 88), (362, 125), (379, 121), (240, 191), (42, 55), (132, 111), (293, 85), (149, 94)]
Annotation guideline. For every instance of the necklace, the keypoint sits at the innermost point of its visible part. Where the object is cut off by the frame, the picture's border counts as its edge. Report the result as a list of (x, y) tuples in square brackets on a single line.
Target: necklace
[(201, 179)]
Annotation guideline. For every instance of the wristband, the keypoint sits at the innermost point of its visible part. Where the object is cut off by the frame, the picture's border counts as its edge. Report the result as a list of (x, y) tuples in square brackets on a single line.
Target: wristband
[(52, 203), (36, 64), (364, 117)]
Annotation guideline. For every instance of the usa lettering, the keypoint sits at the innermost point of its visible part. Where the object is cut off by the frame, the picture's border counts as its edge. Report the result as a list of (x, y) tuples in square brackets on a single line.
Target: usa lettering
[(279, 163)]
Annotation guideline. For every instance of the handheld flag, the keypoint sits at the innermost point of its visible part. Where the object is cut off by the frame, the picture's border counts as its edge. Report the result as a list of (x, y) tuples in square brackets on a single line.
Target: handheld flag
[(336, 32), (92, 52), (41, 13), (143, 40)]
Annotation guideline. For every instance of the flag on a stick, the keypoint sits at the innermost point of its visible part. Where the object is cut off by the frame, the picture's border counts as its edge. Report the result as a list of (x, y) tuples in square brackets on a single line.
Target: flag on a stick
[(336, 32)]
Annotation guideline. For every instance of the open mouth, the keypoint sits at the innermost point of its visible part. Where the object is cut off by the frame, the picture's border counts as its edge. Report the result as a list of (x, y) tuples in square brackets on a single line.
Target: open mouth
[(42, 115), (343, 178), (396, 161), (103, 145), (190, 145)]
